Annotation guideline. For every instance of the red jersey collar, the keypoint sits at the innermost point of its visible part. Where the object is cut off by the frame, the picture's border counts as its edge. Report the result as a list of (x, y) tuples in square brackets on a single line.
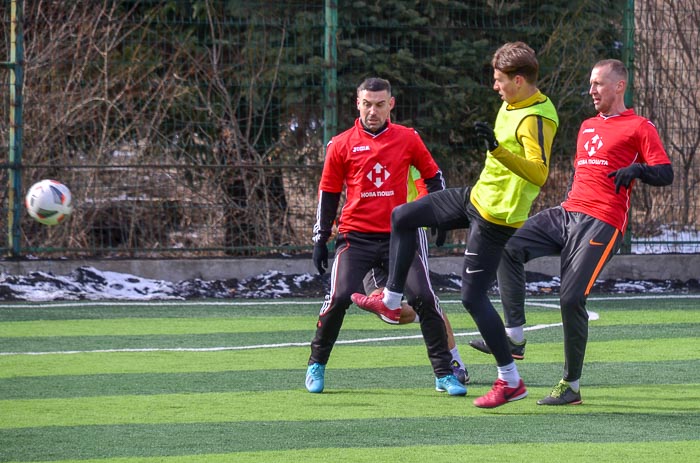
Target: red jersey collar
[(628, 112)]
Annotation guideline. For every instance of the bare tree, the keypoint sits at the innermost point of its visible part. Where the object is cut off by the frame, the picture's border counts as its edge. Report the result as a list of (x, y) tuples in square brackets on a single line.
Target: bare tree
[(96, 92)]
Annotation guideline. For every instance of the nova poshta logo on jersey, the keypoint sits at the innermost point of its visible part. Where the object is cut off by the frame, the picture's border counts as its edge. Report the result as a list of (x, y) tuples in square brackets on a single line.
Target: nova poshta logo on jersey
[(377, 176), (592, 145)]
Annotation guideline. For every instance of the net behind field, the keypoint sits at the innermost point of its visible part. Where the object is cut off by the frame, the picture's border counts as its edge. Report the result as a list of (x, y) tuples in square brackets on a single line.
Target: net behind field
[(197, 129)]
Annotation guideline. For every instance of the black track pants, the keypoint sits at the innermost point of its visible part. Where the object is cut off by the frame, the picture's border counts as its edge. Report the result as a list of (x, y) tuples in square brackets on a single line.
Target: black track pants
[(585, 244), (358, 253)]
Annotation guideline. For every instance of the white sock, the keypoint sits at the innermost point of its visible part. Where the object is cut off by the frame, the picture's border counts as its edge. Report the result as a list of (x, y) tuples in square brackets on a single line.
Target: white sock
[(456, 357), (392, 300), (417, 319), (516, 334), (509, 374), (575, 385)]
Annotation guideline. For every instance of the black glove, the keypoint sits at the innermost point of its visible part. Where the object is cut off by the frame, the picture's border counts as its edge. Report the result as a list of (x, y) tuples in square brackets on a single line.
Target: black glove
[(320, 257), (624, 176), (485, 133), (440, 235)]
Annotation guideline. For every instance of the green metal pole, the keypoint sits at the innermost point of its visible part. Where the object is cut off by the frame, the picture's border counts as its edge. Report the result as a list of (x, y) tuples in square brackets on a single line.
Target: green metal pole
[(628, 59), (330, 94), (628, 51), (15, 133)]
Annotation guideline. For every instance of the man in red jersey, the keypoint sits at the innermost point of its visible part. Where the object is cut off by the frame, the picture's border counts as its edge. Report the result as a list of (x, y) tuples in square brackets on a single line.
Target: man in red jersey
[(612, 150), (371, 161)]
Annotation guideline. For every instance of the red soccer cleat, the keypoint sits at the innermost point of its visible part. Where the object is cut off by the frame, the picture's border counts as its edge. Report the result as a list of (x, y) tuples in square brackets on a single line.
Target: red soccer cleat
[(375, 305), (501, 394)]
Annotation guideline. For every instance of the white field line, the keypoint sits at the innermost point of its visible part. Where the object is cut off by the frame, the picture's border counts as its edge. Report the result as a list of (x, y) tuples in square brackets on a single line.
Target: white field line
[(592, 316), (254, 346)]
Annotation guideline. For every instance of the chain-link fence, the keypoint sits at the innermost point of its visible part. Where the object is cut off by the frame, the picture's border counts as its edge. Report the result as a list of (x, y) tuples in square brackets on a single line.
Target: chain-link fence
[(196, 128)]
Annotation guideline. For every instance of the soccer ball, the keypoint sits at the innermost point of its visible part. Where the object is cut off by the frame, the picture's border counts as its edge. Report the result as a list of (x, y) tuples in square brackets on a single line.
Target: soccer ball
[(48, 202)]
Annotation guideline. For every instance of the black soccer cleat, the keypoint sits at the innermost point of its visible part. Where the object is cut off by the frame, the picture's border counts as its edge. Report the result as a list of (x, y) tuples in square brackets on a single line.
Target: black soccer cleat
[(517, 350), (460, 373)]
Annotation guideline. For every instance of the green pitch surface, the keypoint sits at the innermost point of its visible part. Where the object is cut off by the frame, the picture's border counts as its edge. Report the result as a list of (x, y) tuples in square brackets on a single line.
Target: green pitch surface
[(211, 382)]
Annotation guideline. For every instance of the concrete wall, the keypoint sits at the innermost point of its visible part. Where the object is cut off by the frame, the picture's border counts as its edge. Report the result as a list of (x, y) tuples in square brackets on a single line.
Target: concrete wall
[(681, 267)]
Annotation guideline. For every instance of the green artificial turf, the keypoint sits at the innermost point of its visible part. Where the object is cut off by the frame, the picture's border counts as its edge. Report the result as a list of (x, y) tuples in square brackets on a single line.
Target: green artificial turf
[(213, 382)]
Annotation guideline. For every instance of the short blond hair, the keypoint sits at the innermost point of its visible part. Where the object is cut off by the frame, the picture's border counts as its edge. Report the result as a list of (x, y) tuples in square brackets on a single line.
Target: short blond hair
[(617, 68)]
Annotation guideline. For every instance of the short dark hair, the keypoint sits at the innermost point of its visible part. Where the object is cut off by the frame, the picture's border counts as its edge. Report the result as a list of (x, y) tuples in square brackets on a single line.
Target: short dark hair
[(374, 84), (617, 67), (516, 58)]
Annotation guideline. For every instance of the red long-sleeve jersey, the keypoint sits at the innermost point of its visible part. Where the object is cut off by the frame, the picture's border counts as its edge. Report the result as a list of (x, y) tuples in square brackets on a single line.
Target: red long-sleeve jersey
[(606, 144), (373, 169)]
